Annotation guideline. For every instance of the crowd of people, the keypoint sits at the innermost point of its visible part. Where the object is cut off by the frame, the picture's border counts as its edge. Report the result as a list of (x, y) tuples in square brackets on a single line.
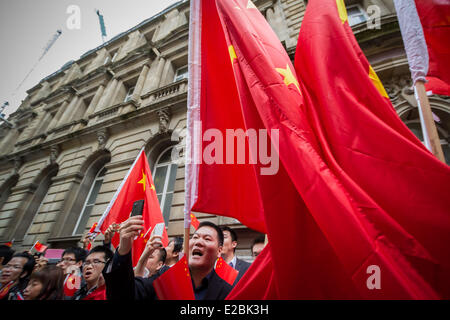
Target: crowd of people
[(103, 273)]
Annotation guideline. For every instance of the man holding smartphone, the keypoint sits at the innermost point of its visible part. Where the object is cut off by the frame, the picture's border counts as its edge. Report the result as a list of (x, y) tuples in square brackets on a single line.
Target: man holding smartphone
[(204, 248)]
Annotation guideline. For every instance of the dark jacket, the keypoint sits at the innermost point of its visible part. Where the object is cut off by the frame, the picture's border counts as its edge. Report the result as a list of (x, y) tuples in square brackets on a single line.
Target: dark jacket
[(121, 284), (93, 294), (242, 267)]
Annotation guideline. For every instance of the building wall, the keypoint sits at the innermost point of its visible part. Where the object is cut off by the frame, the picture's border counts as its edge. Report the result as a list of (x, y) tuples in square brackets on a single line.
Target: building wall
[(75, 121)]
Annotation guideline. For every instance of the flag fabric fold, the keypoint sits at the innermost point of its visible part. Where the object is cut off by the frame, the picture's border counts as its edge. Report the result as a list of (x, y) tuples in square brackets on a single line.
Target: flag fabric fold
[(258, 281), (175, 283), (225, 271), (355, 188), (136, 185), (238, 190)]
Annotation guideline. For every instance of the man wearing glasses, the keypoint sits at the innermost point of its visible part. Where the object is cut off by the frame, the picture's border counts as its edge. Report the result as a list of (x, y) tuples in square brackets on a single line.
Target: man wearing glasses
[(15, 275), (94, 288), (72, 259)]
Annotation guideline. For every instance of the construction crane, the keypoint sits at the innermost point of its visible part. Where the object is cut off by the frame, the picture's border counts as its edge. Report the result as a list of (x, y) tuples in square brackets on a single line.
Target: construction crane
[(47, 47), (50, 43), (102, 24), (2, 115)]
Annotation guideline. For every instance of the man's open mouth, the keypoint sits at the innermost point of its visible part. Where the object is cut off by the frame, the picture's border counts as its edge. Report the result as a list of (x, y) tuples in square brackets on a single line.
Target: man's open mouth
[(197, 252)]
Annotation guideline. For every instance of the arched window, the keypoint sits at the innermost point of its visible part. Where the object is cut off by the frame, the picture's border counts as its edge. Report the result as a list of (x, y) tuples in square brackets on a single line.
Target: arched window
[(31, 204), (164, 175), (90, 202)]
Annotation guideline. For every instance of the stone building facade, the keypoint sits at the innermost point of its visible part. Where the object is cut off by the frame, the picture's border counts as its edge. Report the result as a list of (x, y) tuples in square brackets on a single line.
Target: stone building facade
[(79, 130)]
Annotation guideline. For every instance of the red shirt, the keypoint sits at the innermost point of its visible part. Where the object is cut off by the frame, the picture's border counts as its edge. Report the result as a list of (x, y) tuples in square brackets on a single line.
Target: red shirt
[(97, 294)]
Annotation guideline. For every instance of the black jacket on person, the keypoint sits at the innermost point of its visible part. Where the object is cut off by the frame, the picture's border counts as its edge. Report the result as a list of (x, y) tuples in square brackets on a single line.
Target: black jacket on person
[(121, 284), (242, 267)]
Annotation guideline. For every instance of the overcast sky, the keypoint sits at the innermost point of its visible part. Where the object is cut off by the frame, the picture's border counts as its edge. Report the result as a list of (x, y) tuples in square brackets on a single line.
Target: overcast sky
[(26, 26)]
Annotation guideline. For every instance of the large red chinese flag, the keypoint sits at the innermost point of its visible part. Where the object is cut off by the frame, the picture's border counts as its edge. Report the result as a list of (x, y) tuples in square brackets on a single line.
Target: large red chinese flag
[(221, 185), (395, 184), (137, 185), (350, 199), (175, 283)]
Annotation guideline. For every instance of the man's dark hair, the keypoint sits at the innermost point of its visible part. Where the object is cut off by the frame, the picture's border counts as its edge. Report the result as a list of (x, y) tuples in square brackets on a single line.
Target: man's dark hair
[(6, 253), (29, 265), (215, 227), (79, 253), (232, 234), (108, 253), (257, 240), (177, 244), (162, 255)]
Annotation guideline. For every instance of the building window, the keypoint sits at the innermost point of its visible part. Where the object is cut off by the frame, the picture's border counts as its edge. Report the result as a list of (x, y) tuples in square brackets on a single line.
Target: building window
[(356, 15), (129, 94), (89, 203), (181, 73), (164, 175)]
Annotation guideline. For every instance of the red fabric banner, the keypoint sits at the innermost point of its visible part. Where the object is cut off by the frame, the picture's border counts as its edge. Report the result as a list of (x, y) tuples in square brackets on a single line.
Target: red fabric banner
[(175, 283), (356, 197)]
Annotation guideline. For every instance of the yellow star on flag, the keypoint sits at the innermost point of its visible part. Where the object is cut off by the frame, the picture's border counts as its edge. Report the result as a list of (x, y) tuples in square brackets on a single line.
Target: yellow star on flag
[(342, 10), (289, 77), (232, 53), (143, 180), (377, 83)]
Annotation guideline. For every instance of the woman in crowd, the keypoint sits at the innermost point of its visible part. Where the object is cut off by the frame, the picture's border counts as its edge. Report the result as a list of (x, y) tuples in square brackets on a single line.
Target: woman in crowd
[(45, 284)]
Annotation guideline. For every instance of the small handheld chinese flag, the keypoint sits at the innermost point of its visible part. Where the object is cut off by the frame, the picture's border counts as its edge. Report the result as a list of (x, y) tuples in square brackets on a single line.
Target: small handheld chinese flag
[(92, 230), (175, 283), (39, 247), (9, 243), (137, 185), (72, 284), (225, 271), (194, 222)]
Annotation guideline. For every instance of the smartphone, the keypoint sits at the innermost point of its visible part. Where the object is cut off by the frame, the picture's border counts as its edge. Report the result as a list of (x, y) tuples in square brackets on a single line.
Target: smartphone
[(158, 230), (138, 208)]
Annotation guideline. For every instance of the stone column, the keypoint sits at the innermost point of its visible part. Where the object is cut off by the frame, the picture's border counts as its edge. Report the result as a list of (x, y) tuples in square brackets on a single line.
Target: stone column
[(140, 83), (154, 75), (107, 96), (163, 80), (30, 130), (115, 92), (95, 100), (8, 140), (71, 108), (45, 122), (58, 115)]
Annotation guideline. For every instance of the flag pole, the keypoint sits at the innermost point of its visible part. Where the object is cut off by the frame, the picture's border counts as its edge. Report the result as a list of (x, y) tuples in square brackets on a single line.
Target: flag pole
[(418, 59), (429, 129), (186, 242), (193, 116), (33, 246)]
